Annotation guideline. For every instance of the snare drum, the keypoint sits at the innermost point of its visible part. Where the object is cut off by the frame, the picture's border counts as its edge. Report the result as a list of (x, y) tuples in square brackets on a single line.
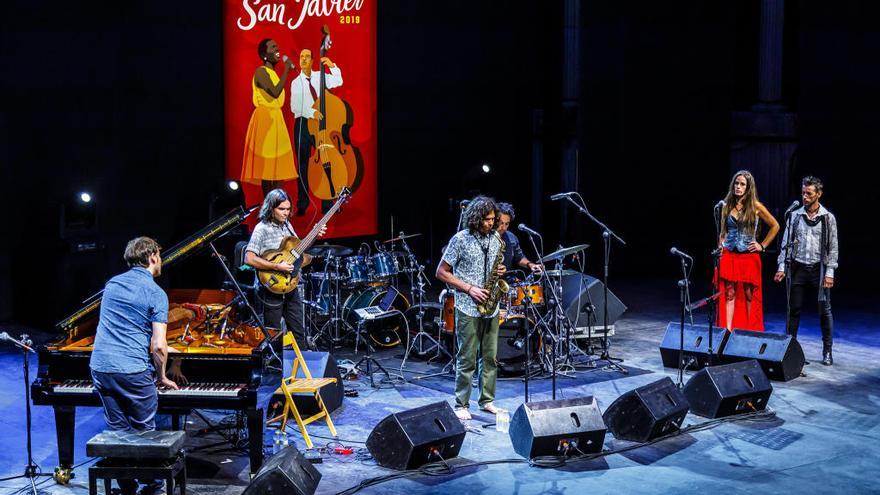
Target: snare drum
[(383, 265), (518, 294), (356, 271)]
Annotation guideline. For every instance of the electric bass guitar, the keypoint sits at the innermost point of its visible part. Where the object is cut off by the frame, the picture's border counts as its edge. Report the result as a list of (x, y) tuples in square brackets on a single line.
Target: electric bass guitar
[(292, 250)]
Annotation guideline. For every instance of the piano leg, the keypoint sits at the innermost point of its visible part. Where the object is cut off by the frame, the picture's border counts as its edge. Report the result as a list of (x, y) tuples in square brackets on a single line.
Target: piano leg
[(255, 438), (65, 422)]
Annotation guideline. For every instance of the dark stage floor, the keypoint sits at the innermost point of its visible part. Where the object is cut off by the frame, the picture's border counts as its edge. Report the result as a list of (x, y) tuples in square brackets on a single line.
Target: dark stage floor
[(823, 438)]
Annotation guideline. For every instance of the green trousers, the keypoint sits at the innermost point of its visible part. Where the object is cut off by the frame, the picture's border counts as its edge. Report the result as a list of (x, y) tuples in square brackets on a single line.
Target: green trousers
[(477, 337)]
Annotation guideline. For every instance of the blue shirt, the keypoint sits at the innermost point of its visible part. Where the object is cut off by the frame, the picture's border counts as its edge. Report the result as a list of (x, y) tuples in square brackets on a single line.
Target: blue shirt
[(131, 303)]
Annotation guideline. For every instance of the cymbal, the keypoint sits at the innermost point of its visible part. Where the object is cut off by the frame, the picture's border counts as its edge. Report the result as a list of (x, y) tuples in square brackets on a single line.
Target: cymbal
[(401, 237), (563, 252), (332, 249), (557, 273)]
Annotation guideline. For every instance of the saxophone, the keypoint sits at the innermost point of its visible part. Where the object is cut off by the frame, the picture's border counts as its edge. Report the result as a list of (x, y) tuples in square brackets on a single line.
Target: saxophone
[(496, 285)]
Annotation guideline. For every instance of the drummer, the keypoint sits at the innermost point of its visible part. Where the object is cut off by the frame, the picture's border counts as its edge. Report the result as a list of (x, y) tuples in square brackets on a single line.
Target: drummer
[(514, 258)]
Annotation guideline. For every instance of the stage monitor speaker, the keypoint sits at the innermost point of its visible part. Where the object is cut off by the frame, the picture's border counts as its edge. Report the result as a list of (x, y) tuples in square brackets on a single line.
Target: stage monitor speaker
[(696, 345), (780, 355), (286, 472), (728, 389), (579, 291), (321, 365), (545, 428), (408, 439), (647, 412)]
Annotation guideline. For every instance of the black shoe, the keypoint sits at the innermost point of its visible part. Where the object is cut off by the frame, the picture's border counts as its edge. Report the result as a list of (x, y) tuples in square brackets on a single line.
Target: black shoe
[(827, 360)]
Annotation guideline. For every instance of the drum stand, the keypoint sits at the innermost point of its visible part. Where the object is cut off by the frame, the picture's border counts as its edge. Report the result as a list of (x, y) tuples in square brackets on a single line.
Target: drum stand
[(368, 361), (417, 293), (330, 328), (560, 322)]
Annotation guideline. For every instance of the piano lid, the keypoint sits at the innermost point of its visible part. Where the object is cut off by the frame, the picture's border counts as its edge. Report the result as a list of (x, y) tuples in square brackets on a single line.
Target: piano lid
[(178, 252)]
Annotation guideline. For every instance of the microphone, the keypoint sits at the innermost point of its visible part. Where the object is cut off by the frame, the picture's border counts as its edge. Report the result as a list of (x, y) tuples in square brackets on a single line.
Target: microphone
[(23, 345), (719, 204), (558, 196), (464, 203), (523, 227), (284, 58), (681, 254), (793, 207)]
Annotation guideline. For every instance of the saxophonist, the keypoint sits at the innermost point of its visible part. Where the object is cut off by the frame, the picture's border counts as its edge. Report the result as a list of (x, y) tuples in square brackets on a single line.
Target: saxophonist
[(472, 265)]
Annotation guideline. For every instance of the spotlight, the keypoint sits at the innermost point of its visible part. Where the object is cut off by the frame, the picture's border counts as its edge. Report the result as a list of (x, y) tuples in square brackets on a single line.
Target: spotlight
[(486, 168), (85, 197), (232, 185)]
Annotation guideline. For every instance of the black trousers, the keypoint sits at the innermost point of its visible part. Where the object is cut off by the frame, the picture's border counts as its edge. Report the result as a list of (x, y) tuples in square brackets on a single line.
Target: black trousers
[(303, 143), (287, 306), (803, 277)]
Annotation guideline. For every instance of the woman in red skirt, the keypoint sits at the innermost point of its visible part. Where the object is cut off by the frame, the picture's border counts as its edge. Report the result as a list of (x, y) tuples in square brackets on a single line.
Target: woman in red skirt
[(739, 273)]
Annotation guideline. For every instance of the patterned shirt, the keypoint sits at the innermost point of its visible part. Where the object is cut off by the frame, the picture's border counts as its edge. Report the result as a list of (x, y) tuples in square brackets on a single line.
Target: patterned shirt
[(268, 235), (471, 257), (809, 247), (131, 303)]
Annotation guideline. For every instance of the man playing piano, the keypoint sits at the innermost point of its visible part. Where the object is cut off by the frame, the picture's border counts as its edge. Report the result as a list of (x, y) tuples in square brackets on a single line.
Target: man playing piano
[(131, 328)]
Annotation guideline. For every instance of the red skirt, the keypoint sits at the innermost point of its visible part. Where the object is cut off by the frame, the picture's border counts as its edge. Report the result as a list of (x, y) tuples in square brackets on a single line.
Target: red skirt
[(741, 269)]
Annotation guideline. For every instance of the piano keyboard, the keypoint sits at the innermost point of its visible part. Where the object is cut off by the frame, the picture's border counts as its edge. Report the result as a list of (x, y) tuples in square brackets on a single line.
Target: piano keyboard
[(188, 390)]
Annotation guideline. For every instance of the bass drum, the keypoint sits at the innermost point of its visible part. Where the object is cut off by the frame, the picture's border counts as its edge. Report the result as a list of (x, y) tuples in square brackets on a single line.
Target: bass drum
[(384, 331)]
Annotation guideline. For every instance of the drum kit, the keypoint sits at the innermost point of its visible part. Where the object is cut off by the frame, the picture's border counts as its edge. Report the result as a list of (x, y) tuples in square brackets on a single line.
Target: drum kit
[(346, 281), (531, 305)]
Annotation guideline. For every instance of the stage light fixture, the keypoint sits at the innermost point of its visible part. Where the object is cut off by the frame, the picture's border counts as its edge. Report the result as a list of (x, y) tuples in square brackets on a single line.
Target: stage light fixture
[(486, 168), (232, 185), (85, 197)]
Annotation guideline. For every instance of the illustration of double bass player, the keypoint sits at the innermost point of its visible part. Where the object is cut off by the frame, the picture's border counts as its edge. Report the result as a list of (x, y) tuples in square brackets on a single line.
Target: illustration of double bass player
[(326, 160)]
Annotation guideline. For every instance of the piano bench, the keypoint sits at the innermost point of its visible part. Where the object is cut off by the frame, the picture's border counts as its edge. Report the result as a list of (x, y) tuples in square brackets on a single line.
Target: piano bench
[(142, 455)]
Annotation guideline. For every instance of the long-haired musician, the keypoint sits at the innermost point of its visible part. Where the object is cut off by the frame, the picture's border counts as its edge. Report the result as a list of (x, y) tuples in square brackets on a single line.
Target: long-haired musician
[(739, 277), (466, 266), (268, 234)]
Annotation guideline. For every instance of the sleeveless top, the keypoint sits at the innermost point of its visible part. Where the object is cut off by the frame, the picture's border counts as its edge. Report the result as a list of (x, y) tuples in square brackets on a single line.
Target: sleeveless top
[(262, 98), (738, 240)]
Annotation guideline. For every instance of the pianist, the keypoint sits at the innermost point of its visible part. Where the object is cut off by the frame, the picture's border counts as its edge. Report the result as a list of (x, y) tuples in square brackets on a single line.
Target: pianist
[(132, 326)]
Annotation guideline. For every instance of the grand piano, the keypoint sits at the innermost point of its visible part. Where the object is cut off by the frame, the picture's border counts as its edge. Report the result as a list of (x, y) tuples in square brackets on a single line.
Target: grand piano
[(225, 360)]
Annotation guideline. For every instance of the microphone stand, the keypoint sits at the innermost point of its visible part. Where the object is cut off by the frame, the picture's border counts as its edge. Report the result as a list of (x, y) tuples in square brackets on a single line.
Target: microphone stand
[(684, 296), (528, 301), (607, 234), (30, 471), (789, 255), (716, 273)]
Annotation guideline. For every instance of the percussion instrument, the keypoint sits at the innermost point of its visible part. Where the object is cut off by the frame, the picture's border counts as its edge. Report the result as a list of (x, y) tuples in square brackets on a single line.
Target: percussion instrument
[(383, 332), (356, 271), (563, 252), (383, 266)]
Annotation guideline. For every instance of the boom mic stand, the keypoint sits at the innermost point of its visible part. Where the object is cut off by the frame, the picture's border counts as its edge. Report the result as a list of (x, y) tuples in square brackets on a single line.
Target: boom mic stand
[(607, 234), (789, 248), (24, 343), (684, 287), (528, 342)]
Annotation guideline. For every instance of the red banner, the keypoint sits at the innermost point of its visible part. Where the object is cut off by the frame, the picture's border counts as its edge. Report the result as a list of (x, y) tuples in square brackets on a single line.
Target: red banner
[(274, 131)]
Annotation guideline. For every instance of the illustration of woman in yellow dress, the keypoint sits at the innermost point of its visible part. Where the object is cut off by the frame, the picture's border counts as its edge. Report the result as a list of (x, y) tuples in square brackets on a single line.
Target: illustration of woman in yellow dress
[(268, 155)]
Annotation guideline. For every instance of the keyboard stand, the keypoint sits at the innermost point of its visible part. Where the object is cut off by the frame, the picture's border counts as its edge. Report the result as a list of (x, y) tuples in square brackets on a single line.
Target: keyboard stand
[(368, 357)]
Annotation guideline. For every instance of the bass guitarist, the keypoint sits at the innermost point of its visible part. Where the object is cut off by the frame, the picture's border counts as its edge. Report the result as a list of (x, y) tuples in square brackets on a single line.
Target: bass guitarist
[(268, 234)]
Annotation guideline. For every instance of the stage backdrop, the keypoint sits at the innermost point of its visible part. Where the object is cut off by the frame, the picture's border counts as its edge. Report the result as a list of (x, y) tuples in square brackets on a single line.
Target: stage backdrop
[(258, 146)]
